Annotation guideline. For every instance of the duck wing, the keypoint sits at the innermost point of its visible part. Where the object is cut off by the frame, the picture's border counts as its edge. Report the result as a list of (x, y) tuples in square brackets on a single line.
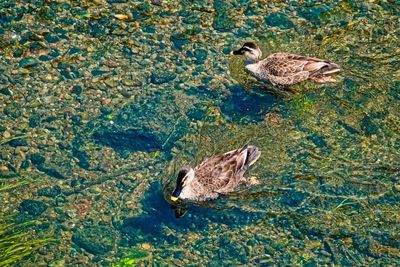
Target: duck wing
[(291, 68), (223, 172)]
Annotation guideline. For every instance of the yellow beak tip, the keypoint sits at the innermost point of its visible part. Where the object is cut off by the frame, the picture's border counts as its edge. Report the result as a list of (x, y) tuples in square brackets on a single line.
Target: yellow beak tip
[(231, 53), (174, 198)]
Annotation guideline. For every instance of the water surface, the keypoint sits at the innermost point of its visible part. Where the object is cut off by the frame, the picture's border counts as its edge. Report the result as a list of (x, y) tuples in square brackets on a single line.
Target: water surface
[(102, 102)]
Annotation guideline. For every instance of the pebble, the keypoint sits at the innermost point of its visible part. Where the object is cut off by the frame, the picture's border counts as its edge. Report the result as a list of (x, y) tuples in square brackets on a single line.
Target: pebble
[(146, 246), (106, 101), (27, 62), (121, 16), (3, 168), (162, 77), (6, 134)]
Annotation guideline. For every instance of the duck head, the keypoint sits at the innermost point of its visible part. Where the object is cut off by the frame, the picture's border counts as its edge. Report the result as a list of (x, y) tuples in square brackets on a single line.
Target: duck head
[(185, 178), (250, 50)]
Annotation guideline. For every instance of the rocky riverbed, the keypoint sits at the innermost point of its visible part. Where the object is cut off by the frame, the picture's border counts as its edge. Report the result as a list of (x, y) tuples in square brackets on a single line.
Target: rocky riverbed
[(101, 102)]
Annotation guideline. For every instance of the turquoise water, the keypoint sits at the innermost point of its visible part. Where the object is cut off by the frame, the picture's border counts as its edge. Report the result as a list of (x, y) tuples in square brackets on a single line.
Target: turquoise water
[(102, 102)]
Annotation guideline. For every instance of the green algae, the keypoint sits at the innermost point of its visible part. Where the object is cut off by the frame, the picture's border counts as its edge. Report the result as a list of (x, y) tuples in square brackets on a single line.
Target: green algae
[(132, 258), (17, 243)]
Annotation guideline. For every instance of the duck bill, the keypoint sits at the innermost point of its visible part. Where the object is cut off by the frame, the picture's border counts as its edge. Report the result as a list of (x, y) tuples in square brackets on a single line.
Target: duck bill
[(175, 194), (237, 52)]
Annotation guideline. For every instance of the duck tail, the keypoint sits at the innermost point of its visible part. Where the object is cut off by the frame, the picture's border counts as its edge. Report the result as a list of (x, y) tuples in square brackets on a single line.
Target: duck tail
[(252, 155), (317, 68), (329, 68)]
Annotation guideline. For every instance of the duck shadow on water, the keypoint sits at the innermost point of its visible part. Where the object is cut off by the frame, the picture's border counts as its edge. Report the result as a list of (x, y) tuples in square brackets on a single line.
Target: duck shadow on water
[(159, 215), (247, 105)]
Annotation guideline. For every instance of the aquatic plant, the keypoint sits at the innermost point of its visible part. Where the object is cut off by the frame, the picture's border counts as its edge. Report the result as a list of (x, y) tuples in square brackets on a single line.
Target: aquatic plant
[(17, 239), (18, 242), (132, 258)]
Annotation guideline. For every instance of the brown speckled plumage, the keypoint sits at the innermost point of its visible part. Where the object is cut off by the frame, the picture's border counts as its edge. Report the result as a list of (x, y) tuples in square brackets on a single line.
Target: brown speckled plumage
[(284, 68), (220, 174)]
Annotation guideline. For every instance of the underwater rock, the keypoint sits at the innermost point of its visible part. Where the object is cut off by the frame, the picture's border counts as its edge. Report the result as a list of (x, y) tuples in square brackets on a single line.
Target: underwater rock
[(18, 142), (368, 126), (293, 198), (37, 159), (83, 158), (34, 120), (12, 110), (77, 90), (96, 239), (362, 244), (5, 91), (179, 40), (51, 172), (156, 2), (131, 139), (27, 62), (50, 191), (51, 39), (279, 20), (162, 77), (317, 139), (312, 13), (145, 125), (200, 55), (18, 52), (222, 20), (33, 207)]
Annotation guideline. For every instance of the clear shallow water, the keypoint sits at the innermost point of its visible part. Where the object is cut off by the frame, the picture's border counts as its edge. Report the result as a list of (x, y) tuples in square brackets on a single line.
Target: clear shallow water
[(99, 110)]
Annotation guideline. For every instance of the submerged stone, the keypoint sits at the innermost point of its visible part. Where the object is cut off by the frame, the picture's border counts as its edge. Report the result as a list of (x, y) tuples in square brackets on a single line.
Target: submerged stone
[(77, 89), (368, 126), (131, 139), (27, 62), (312, 13), (162, 77), (12, 110), (37, 159), (96, 239), (5, 91), (34, 121), (51, 39), (97, 72), (51, 172), (18, 142), (83, 158), (179, 40), (200, 55), (279, 20), (50, 191), (318, 140), (33, 207), (18, 52)]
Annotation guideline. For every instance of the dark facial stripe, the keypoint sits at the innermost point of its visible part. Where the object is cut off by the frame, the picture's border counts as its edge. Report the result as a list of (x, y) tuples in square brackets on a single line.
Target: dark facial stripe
[(182, 173), (177, 191), (241, 51)]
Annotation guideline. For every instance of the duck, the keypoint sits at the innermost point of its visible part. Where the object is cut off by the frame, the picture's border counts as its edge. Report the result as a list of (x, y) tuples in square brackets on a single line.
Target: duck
[(284, 68), (215, 176)]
